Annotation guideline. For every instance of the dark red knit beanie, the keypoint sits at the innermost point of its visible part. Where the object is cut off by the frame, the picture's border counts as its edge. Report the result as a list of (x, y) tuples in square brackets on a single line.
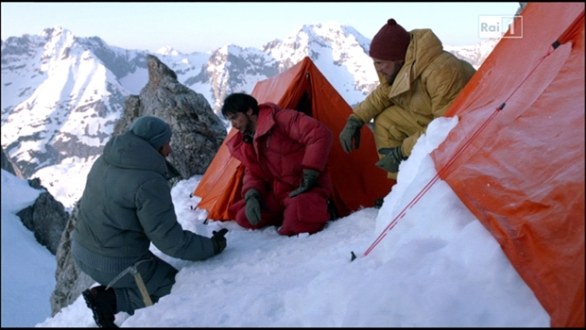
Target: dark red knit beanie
[(390, 43)]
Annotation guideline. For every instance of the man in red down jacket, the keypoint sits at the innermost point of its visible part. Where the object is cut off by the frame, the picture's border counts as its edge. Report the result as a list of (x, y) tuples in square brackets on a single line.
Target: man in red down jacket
[(284, 153)]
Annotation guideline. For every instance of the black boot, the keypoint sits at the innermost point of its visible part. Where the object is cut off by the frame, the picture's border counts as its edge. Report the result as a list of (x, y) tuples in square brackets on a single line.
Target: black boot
[(102, 302), (378, 203)]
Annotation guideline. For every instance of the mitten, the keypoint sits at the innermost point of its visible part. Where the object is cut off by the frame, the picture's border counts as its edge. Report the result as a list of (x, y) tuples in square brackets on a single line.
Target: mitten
[(252, 198), (351, 134), (308, 180), (391, 159), (219, 240)]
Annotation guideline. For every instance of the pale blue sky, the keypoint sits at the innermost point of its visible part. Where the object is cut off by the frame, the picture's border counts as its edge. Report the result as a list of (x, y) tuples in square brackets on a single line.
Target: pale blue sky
[(205, 26)]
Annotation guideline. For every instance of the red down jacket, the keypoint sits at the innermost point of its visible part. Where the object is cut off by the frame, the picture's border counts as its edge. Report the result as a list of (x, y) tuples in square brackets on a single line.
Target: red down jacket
[(285, 142)]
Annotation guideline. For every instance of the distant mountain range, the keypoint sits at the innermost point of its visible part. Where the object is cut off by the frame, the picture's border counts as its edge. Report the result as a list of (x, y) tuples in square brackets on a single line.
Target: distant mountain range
[(62, 94)]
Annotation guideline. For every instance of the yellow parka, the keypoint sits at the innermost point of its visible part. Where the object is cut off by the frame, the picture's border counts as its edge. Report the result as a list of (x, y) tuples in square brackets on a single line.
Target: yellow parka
[(424, 88)]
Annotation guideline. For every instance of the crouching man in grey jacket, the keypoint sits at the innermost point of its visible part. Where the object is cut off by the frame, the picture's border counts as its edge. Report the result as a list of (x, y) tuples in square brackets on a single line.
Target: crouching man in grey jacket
[(125, 206)]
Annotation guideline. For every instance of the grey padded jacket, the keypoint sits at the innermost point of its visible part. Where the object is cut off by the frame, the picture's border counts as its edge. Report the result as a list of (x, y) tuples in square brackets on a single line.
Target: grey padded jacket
[(127, 204)]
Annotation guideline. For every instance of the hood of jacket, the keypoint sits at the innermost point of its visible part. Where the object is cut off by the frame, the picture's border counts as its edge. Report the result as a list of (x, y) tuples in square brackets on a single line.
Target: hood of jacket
[(131, 152)]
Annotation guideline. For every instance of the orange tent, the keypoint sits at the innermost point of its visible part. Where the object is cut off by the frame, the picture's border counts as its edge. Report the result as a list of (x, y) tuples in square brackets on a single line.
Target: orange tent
[(516, 157), (357, 181)]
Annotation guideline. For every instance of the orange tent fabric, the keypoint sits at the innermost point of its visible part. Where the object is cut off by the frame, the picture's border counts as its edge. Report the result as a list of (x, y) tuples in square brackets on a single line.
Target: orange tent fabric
[(357, 181), (516, 157)]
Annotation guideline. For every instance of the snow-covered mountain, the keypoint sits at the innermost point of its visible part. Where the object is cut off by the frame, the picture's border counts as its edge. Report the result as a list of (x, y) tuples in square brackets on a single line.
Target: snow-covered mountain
[(62, 95)]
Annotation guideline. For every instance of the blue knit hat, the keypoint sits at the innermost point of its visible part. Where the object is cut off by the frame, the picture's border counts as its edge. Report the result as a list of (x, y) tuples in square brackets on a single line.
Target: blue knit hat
[(153, 130)]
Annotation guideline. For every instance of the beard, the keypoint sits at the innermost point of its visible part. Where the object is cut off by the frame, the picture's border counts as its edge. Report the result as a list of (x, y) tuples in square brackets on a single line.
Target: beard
[(247, 136), (391, 77), (248, 132)]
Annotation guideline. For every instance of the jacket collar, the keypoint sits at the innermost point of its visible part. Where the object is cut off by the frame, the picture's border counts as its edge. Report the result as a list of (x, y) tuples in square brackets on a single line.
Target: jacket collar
[(266, 119), (423, 48)]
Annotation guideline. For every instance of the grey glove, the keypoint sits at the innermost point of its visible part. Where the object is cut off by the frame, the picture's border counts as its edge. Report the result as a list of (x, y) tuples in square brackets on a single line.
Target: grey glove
[(219, 240), (252, 198), (391, 159), (308, 181), (351, 133)]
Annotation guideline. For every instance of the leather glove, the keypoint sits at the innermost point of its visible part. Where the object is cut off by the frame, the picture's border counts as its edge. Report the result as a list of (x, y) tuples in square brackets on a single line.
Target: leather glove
[(391, 159), (252, 198), (219, 240), (308, 181), (351, 133)]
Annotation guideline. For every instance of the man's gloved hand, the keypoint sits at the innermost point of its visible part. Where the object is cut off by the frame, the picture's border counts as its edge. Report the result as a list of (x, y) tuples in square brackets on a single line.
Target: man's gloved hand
[(252, 198), (391, 159), (351, 133), (219, 240), (308, 180)]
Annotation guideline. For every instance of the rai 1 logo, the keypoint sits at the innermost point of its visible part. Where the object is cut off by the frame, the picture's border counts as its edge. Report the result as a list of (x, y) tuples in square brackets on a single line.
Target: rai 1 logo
[(496, 27)]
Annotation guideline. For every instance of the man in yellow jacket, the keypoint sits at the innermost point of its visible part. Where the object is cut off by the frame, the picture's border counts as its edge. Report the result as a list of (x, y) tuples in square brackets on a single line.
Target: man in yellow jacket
[(418, 82)]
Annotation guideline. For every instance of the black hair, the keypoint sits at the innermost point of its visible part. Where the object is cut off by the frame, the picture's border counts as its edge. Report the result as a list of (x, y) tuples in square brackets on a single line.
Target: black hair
[(239, 102)]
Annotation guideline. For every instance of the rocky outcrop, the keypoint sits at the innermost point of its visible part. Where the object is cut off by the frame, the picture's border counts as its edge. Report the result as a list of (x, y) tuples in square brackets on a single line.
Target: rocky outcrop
[(46, 218), (197, 131), (70, 280)]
